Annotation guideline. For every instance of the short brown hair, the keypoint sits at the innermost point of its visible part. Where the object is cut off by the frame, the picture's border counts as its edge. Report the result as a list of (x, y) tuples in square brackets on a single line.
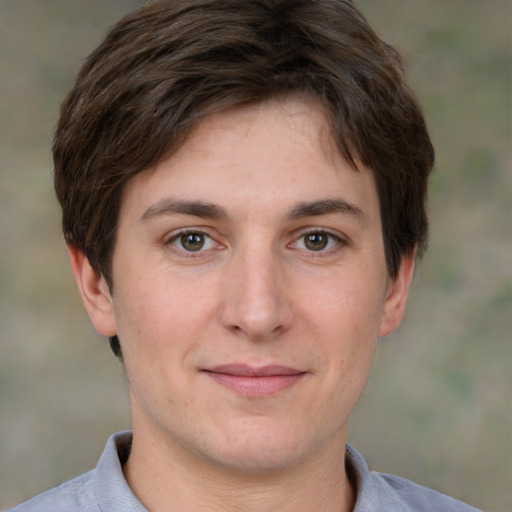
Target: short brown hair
[(166, 66)]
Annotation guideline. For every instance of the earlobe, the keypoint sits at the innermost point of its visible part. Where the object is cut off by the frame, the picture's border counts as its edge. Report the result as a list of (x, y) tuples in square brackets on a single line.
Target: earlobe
[(94, 291), (396, 296)]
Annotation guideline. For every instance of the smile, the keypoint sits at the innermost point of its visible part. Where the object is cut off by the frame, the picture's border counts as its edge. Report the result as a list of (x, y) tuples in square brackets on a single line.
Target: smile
[(255, 382)]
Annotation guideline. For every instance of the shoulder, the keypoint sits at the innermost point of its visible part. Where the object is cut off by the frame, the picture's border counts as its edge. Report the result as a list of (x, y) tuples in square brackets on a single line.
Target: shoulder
[(77, 495), (380, 492), (103, 488), (413, 497)]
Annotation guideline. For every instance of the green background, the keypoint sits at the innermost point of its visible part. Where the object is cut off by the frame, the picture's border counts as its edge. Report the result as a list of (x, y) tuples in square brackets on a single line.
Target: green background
[(438, 405)]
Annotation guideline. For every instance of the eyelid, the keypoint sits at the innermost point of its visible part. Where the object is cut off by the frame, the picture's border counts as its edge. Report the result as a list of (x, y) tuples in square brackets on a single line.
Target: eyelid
[(171, 235), (341, 240), (177, 233)]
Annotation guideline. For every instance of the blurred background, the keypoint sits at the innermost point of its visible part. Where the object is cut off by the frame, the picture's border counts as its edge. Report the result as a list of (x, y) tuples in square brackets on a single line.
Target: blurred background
[(438, 407)]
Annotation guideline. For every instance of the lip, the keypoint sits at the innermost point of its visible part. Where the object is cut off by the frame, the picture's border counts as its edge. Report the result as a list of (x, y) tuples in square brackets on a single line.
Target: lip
[(255, 381)]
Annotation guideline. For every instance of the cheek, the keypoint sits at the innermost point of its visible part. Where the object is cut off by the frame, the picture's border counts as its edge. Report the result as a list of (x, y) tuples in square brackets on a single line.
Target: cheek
[(345, 320), (348, 303), (343, 324), (160, 314)]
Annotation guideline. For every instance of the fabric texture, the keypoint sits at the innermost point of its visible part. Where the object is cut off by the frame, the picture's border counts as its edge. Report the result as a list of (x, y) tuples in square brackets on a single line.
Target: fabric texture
[(105, 489)]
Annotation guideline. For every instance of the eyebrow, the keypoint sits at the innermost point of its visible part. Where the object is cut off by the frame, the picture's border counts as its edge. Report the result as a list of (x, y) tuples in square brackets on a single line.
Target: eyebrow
[(325, 207), (195, 208), (205, 210)]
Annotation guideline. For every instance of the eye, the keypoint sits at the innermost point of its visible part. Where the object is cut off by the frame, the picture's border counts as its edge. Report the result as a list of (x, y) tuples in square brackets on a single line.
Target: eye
[(192, 241), (317, 241)]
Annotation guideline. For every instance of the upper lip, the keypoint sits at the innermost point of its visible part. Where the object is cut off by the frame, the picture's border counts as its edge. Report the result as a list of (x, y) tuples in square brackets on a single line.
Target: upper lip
[(244, 370)]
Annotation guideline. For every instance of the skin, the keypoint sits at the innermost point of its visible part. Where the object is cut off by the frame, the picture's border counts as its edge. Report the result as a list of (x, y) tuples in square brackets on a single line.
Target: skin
[(281, 263)]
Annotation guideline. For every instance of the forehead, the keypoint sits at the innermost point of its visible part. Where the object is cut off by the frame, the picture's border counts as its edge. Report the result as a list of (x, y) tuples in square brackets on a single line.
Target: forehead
[(297, 118), (278, 152)]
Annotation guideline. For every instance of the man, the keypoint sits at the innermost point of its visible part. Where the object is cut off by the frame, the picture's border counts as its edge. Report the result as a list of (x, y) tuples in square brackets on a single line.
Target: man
[(243, 190)]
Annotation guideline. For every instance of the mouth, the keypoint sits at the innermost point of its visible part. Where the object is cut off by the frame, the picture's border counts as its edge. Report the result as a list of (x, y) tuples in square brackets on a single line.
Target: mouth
[(255, 381)]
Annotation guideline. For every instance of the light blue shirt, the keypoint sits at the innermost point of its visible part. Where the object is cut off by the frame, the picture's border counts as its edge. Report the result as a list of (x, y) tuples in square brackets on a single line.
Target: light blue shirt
[(105, 489)]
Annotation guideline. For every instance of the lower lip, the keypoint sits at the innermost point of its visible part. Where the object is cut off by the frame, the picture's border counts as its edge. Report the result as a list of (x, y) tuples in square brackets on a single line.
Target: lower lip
[(255, 386)]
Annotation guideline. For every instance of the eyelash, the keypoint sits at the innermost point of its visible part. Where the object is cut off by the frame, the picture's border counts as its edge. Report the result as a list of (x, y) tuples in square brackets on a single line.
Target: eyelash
[(207, 239), (190, 253), (338, 241)]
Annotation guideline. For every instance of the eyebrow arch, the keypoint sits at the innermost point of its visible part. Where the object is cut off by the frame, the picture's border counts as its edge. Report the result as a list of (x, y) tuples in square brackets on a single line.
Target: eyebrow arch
[(324, 207), (195, 208)]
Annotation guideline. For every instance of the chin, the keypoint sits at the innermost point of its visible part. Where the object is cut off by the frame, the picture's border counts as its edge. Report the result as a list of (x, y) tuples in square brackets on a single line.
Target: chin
[(260, 449)]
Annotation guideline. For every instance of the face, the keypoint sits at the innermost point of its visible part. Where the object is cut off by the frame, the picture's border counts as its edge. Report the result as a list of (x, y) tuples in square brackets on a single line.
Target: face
[(250, 288)]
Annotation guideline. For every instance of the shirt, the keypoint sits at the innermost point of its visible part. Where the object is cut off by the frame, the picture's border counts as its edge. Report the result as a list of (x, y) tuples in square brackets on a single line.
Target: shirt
[(104, 489)]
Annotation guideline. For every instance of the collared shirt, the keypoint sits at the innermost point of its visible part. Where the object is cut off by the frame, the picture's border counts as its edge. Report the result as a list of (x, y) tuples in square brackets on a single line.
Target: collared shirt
[(105, 489)]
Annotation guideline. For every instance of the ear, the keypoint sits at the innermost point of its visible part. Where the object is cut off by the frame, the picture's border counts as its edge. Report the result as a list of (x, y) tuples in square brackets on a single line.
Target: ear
[(396, 296), (94, 291)]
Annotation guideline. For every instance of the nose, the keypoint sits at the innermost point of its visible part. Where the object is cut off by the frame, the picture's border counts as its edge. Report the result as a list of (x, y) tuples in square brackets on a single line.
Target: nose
[(256, 298)]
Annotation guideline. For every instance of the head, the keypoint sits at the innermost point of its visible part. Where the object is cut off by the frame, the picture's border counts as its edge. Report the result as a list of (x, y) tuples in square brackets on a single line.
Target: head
[(166, 68)]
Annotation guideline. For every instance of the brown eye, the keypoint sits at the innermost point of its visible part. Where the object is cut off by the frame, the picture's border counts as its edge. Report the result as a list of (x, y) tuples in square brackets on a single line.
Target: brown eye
[(316, 241), (187, 242), (192, 241)]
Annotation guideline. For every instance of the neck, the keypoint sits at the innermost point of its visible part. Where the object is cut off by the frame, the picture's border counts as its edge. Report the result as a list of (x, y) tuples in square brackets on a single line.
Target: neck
[(171, 479)]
